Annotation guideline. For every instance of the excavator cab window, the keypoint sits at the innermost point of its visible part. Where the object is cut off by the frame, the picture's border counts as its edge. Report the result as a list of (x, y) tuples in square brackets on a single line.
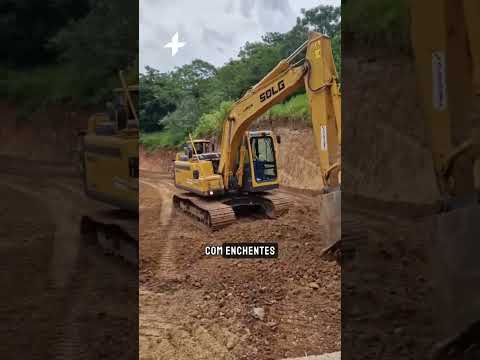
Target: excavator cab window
[(200, 148), (263, 156)]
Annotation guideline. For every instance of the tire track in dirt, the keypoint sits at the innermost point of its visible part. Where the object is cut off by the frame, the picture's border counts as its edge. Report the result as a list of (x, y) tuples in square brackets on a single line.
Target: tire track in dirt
[(166, 266), (68, 343)]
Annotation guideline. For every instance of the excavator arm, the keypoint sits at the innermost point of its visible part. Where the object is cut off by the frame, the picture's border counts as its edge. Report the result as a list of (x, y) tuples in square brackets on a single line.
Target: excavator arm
[(319, 76), (446, 43)]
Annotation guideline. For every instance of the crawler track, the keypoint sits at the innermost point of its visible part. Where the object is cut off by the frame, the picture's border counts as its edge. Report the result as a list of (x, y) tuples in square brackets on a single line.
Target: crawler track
[(279, 202), (213, 214), (217, 214), (116, 232)]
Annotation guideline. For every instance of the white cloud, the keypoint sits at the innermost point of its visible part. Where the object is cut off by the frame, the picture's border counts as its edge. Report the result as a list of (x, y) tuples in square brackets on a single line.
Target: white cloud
[(214, 30)]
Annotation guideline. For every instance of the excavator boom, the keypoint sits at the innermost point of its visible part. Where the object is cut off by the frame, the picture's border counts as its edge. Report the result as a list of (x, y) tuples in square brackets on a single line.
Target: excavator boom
[(319, 76)]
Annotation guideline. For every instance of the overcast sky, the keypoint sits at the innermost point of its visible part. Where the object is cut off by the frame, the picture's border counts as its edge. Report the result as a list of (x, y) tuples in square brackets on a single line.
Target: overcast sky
[(214, 30)]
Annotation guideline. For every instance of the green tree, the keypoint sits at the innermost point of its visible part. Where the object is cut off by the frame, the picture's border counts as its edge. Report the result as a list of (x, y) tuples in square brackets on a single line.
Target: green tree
[(324, 19), (183, 120), (27, 26), (99, 44), (154, 100)]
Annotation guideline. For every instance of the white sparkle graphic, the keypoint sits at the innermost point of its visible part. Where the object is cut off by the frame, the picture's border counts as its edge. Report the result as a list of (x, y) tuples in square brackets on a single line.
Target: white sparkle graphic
[(174, 44)]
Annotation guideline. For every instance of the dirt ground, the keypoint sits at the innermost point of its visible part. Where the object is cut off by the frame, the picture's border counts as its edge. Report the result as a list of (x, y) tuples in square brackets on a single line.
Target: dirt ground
[(198, 307), (61, 298), (387, 297)]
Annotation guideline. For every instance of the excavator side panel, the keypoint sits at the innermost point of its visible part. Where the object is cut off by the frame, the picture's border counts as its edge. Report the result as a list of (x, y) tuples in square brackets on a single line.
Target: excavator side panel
[(198, 177), (111, 170)]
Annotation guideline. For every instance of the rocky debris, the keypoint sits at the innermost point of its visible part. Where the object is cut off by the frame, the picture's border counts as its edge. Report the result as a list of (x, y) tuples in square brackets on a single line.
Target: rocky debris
[(231, 342), (258, 313), (220, 294)]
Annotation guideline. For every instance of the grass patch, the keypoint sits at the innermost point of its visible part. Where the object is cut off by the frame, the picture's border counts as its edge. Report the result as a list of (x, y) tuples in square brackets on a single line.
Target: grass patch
[(162, 139), (296, 108)]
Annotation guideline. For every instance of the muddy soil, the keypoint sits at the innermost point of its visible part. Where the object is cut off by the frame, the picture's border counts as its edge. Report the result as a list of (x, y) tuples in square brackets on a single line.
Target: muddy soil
[(61, 298), (386, 154), (198, 307)]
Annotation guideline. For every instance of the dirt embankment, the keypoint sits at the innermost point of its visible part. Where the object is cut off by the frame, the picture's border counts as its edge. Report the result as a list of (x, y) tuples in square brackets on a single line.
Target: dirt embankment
[(47, 134), (155, 161), (385, 144), (298, 159)]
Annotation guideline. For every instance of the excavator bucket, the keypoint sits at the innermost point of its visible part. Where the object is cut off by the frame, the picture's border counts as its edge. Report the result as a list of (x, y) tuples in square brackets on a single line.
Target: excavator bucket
[(455, 268), (330, 218)]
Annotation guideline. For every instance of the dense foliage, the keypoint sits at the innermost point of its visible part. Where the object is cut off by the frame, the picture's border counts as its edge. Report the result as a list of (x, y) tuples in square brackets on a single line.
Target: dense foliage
[(195, 98), (67, 50), (376, 23)]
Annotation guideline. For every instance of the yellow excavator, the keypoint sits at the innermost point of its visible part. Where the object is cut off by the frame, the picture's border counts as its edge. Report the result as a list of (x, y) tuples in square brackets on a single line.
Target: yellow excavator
[(109, 153), (446, 43), (244, 172)]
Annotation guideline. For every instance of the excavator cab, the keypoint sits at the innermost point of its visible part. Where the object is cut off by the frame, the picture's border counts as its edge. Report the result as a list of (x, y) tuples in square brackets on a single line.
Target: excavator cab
[(201, 147), (125, 118), (260, 171)]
